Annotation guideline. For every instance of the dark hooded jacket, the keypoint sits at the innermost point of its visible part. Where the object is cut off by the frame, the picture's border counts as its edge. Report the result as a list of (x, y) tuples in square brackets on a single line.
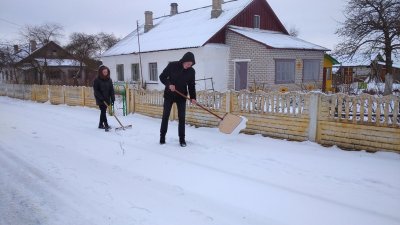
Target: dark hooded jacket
[(103, 88), (183, 79)]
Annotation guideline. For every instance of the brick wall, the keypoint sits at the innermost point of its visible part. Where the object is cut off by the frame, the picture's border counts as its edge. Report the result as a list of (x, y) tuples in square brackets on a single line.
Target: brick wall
[(261, 65)]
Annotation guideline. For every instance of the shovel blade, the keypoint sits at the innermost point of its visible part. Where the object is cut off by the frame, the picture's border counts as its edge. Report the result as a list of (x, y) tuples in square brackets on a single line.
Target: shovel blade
[(124, 127), (229, 123)]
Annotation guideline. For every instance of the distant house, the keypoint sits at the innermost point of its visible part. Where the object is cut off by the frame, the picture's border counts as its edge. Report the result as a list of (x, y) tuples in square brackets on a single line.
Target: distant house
[(47, 64), (360, 67), (238, 44)]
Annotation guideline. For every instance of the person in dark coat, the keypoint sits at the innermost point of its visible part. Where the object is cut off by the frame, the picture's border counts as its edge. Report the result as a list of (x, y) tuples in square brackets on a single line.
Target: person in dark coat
[(103, 92), (178, 75)]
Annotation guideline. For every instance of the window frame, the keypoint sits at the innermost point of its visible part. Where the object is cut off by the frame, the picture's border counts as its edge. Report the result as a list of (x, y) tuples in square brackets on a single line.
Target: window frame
[(257, 21), (120, 72), (135, 71), (292, 76), (315, 77), (153, 72)]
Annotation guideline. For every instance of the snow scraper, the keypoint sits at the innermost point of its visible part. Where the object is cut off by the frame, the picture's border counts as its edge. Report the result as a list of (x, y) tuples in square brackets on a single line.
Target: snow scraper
[(229, 122), (122, 127)]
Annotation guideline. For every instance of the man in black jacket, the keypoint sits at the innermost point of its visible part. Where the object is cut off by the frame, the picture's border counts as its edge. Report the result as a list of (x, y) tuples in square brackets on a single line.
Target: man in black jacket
[(103, 92), (178, 75)]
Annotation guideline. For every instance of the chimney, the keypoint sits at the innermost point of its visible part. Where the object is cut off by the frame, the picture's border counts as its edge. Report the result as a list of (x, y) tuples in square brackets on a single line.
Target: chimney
[(16, 49), (216, 8), (33, 45), (174, 8), (148, 20)]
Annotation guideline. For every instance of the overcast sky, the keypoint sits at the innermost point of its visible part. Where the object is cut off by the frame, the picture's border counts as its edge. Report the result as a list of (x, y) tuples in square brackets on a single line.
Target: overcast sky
[(316, 20)]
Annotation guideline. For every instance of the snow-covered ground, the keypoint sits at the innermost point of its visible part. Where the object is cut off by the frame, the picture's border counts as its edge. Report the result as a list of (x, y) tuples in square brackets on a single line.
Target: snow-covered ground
[(56, 167)]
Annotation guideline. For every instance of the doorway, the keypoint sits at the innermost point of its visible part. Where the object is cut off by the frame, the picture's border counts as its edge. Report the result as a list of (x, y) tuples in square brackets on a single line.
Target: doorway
[(241, 75)]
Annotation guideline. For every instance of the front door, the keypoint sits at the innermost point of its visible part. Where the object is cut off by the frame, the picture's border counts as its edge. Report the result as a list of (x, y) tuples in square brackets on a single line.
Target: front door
[(240, 75)]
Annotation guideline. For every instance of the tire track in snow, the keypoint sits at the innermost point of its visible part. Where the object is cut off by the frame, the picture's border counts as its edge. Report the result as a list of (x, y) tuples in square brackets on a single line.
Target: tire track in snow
[(28, 196), (224, 174)]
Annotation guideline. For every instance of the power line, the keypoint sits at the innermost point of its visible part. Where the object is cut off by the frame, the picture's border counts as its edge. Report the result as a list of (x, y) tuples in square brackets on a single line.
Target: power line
[(7, 21)]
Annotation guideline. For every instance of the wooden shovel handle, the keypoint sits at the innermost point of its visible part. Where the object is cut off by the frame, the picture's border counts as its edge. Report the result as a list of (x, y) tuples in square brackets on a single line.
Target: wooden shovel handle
[(198, 104), (115, 116)]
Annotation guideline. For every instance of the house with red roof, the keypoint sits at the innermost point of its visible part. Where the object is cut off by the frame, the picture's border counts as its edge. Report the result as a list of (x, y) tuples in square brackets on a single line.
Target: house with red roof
[(238, 44)]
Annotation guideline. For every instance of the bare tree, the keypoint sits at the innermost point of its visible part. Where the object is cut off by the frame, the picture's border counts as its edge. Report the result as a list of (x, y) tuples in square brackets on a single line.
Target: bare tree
[(294, 32), (371, 26), (87, 48), (106, 41), (84, 47), (8, 61), (90, 45), (42, 34)]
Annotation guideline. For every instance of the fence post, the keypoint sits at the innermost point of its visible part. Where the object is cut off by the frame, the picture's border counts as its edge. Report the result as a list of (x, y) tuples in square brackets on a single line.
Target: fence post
[(228, 102), (82, 96), (314, 110), (33, 95), (133, 100), (128, 99), (64, 91)]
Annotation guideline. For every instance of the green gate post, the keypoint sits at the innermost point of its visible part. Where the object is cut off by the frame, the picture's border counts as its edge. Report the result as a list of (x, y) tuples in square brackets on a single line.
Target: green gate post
[(120, 89)]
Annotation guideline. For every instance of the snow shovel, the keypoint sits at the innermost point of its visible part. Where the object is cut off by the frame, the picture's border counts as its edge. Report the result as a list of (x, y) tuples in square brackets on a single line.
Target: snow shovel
[(228, 123), (122, 126)]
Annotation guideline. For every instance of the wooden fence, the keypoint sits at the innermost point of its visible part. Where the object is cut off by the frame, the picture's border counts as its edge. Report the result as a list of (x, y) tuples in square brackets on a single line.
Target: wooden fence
[(74, 96), (362, 122)]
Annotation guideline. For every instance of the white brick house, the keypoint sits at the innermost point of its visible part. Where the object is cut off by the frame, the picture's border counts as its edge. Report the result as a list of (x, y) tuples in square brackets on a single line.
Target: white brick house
[(240, 44)]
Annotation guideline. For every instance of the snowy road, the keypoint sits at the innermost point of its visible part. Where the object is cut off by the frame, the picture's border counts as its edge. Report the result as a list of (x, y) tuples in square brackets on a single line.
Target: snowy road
[(56, 167)]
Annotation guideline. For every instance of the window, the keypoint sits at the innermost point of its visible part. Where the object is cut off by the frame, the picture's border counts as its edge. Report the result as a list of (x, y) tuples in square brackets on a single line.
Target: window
[(257, 21), (53, 74), (52, 52), (311, 69), (135, 72), (348, 75), (73, 73), (120, 72), (329, 73), (153, 72), (284, 71)]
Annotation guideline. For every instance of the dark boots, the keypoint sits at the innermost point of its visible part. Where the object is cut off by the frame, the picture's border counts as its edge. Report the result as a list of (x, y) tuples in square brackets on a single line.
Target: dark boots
[(105, 126), (182, 142), (162, 140)]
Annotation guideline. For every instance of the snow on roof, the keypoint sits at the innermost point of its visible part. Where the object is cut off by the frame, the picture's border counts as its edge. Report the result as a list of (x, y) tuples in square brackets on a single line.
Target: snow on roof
[(365, 60), (53, 63), (276, 39), (58, 62), (394, 65), (357, 60), (187, 29)]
